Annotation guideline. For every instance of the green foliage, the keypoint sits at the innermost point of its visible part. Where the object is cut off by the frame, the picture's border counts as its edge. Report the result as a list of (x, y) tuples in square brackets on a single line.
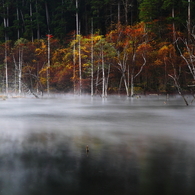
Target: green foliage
[(149, 10), (21, 41)]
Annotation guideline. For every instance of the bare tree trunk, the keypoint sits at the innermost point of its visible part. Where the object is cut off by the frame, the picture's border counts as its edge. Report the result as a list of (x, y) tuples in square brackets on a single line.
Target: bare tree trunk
[(189, 20), (97, 80), (48, 63), (175, 78), (18, 19), (119, 12), (190, 60), (6, 70), (15, 73), (92, 57), (79, 47), (47, 17), (132, 73), (126, 85), (134, 76), (106, 81), (74, 69), (126, 5), (123, 65), (20, 70), (32, 38), (6, 25), (177, 85), (103, 73), (173, 16), (80, 68), (132, 85), (38, 26)]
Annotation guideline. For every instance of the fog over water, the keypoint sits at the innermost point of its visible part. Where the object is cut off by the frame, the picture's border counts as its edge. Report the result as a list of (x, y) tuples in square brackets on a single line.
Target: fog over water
[(136, 146)]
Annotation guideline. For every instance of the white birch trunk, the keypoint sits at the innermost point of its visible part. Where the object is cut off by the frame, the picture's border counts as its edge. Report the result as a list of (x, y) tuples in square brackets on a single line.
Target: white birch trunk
[(20, 71), (97, 80), (79, 48), (48, 65), (126, 85), (103, 74), (134, 76), (6, 24), (6, 70), (132, 85), (92, 58), (74, 69), (15, 74), (80, 68), (106, 81)]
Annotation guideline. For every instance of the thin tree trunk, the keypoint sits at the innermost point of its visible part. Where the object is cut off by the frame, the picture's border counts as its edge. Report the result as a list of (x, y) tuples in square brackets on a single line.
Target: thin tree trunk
[(189, 20), (6, 25), (79, 47), (38, 26), (74, 69), (97, 80), (6, 70), (18, 19), (20, 71), (103, 74), (48, 64), (126, 85), (15, 74), (119, 12), (125, 3), (132, 85), (92, 57), (179, 89), (106, 81), (173, 16), (47, 16), (132, 73), (80, 68), (32, 38)]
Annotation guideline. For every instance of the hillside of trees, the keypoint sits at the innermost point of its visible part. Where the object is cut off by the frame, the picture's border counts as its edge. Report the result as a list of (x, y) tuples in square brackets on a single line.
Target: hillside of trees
[(97, 46)]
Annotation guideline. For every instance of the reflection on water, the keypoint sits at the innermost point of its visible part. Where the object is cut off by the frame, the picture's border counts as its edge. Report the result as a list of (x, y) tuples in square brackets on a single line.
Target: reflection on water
[(135, 147)]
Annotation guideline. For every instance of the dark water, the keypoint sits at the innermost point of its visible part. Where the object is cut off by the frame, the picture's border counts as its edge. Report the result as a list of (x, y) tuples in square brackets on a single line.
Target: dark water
[(141, 146)]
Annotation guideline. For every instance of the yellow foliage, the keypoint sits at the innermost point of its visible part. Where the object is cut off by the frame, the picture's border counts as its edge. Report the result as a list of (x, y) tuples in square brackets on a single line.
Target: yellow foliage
[(43, 80), (163, 51), (85, 65), (43, 70), (144, 47), (43, 45), (38, 51), (158, 62), (97, 38), (74, 42)]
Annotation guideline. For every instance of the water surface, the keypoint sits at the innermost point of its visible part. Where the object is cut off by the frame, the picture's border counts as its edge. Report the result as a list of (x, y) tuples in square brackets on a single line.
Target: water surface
[(140, 146)]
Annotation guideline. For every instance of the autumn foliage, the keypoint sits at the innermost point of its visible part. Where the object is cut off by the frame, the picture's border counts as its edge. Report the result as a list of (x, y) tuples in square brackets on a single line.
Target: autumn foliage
[(127, 60)]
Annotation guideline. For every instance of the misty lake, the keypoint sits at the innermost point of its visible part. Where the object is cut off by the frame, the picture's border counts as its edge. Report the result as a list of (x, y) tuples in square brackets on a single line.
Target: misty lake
[(142, 146)]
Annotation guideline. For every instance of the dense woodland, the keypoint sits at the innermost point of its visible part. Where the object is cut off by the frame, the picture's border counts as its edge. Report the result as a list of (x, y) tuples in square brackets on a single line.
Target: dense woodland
[(98, 47)]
